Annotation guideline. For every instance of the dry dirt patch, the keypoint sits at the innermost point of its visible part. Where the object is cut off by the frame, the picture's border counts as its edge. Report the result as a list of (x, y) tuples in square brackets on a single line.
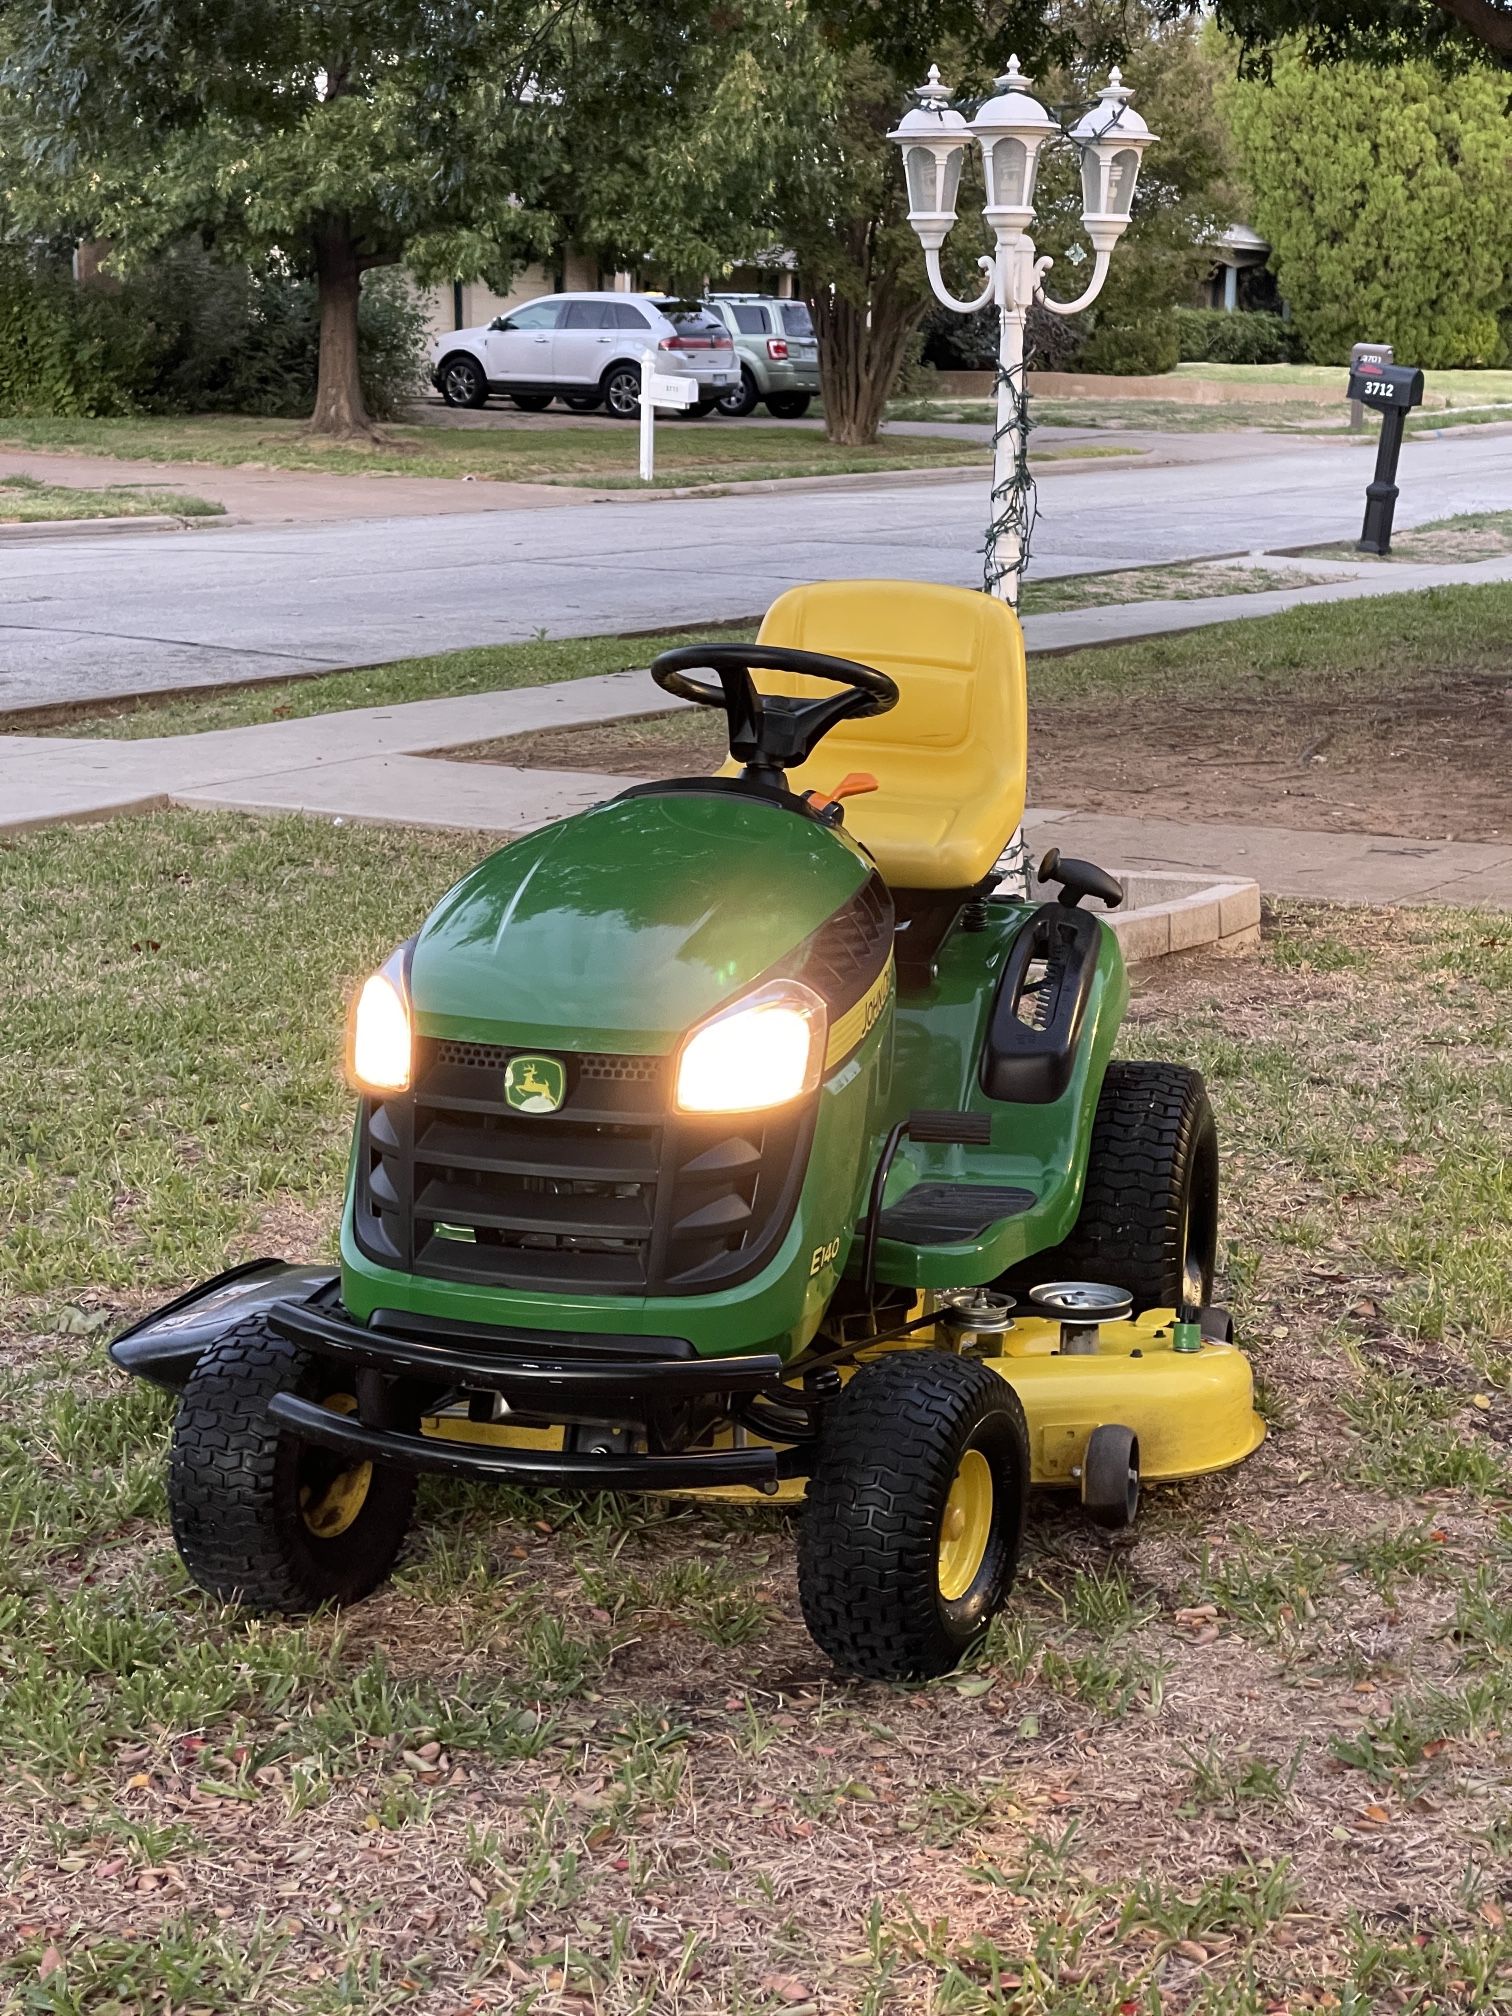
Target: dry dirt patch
[(1426, 762)]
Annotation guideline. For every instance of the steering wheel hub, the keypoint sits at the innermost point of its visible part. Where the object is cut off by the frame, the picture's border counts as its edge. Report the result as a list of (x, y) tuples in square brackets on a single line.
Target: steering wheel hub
[(772, 733)]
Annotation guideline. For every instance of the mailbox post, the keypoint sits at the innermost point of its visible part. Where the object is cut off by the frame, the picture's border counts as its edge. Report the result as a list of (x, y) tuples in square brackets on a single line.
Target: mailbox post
[(1393, 389)]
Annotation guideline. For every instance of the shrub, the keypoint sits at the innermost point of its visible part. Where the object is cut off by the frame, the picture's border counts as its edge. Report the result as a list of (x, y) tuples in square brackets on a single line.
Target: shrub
[(1142, 349), (60, 353), (190, 334), (1213, 336), (1383, 195)]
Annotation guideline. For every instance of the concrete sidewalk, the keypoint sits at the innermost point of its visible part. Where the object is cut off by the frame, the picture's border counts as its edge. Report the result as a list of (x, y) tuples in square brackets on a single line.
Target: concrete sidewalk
[(372, 765)]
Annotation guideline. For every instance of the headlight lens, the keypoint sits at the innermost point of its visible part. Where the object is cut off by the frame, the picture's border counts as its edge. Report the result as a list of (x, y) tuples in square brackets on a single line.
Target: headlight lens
[(379, 1051), (765, 1051)]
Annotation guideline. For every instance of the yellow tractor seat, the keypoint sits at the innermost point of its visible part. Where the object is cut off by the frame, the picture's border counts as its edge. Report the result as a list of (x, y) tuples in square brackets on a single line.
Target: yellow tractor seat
[(949, 759)]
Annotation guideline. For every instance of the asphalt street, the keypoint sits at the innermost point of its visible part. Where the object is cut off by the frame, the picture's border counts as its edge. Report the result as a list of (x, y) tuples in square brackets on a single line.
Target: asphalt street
[(83, 618)]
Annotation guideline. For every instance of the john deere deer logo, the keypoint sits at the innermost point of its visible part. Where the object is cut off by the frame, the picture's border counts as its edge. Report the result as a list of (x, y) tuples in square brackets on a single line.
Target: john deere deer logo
[(535, 1084)]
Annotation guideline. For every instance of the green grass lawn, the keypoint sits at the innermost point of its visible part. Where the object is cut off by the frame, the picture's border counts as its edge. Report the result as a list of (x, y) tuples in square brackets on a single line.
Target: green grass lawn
[(599, 453), (26, 500), (580, 1757)]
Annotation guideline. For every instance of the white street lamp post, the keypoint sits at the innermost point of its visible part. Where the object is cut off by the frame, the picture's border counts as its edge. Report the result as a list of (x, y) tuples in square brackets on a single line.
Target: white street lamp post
[(1011, 128)]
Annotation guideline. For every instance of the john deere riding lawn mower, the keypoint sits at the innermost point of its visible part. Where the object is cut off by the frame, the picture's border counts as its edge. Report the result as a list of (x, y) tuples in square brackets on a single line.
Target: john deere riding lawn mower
[(735, 1136)]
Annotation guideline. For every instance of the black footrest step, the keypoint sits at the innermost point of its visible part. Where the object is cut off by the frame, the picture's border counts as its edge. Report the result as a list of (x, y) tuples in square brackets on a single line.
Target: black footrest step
[(944, 1214)]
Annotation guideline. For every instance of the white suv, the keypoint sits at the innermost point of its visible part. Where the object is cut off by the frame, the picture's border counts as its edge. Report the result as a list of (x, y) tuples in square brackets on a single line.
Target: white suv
[(585, 349)]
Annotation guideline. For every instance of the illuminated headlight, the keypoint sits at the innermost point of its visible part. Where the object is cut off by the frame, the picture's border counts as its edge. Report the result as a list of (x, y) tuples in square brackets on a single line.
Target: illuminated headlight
[(379, 1047), (765, 1051)]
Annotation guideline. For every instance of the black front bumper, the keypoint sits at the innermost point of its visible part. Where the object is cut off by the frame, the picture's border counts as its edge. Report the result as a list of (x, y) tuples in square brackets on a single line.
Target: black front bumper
[(561, 1468), (535, 1381), (403, 1366)]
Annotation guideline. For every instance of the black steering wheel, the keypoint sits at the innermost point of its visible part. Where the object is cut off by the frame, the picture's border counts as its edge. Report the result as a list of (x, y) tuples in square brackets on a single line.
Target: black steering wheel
[(771, 733)]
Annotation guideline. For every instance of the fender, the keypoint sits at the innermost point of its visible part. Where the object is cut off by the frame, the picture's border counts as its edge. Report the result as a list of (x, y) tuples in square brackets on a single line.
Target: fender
[(166, 1346)]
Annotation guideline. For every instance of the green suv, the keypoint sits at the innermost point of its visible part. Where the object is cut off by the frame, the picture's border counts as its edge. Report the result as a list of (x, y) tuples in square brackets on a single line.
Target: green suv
[(778, 354)]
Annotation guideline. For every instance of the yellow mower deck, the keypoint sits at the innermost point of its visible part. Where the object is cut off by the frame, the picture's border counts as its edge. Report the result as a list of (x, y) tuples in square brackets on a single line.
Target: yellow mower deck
[(1192, 1411)]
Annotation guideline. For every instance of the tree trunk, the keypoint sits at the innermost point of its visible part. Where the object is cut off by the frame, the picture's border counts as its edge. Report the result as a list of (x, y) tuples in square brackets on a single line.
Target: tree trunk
[(339, 409), (862, 342)]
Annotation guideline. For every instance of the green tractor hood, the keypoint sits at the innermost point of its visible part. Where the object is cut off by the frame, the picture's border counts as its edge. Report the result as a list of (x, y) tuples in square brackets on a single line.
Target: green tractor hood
[(622, 928)]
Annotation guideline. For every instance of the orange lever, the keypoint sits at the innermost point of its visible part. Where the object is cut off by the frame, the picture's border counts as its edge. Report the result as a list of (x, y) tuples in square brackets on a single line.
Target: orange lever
[(855, 784)]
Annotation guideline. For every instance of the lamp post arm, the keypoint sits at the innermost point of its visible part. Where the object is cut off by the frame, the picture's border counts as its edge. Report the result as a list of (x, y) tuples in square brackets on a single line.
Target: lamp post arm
[(943, 293), (1094, 288)]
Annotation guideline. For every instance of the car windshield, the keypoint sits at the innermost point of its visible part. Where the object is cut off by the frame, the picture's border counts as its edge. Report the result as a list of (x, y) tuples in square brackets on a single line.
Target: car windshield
[(796, 319)]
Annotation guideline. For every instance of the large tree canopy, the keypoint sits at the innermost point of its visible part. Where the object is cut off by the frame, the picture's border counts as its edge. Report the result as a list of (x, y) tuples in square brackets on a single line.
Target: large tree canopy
[(1456, 32), (349, 134)]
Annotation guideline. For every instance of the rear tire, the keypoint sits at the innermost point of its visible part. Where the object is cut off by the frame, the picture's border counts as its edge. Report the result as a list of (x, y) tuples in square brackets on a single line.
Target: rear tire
[(915, 1515), (742, 399), (788, 405), (1149, 1212), (259, 1517), (620, 388), (699, 410), (532, 402), (583, 402), (461, 380)]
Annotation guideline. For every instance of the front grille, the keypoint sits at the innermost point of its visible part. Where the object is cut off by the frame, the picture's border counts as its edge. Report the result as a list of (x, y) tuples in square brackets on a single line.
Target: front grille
[(611, 1194)]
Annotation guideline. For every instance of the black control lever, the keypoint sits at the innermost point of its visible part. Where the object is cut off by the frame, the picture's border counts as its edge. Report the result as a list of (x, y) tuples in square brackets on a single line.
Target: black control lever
[(1078, 879)]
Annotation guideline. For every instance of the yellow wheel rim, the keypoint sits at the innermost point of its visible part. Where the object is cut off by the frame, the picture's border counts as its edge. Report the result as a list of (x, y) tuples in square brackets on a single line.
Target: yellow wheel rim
[(966, 1527), (332, 1509)]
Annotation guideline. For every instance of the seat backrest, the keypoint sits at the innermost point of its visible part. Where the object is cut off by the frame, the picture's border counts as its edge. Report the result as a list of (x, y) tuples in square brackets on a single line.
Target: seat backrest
[(950, 758)]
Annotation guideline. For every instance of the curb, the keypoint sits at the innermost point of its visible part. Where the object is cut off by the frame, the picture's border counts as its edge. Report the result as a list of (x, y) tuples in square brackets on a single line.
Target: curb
[(94, 528), (1183, 913)]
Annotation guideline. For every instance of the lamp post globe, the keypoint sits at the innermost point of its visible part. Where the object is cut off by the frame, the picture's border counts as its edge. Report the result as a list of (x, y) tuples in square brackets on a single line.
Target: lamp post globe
[(1011, 127), (934, 138), (1112, 137)]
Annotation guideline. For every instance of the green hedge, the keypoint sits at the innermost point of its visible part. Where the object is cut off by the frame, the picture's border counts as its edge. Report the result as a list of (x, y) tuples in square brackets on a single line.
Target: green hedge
[(1213, 336), (190, 335), (1143, 349)]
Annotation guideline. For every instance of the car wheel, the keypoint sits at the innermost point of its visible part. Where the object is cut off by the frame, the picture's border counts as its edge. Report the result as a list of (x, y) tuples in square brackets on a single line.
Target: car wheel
[(583, 402), (531, 402), (621, 389), (461, 380), (743, 399), (259, 1517), (788, 405), (699, 410), (915, 1514)]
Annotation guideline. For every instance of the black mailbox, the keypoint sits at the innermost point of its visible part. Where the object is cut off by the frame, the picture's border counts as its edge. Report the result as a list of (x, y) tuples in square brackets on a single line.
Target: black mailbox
[(1386, 384), (1392, 389)]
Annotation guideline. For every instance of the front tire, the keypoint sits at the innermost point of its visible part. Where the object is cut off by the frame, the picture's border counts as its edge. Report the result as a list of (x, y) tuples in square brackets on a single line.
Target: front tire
[(462, 381), (742, 399), (259, 1517), (788, 405), (699, 410), (1149, 1211), (583, 402), (532, 402), (915, 1515)]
